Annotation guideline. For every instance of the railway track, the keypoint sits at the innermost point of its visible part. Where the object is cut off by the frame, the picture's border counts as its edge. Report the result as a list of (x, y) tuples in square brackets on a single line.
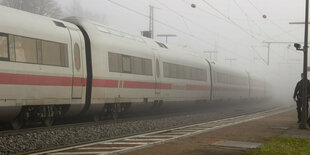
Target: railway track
[(139, 141), (33, 140)]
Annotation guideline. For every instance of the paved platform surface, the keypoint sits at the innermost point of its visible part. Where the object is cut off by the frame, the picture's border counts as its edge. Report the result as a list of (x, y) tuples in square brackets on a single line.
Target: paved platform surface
[(253, 132)]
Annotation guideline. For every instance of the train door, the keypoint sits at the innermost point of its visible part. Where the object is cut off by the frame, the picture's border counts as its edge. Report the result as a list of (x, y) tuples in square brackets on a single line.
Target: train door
[(157, 78), (77, 61), (211, 79)]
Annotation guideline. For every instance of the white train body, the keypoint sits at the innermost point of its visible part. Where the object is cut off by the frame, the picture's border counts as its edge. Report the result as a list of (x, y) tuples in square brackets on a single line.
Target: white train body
[(229, 84), (79, 67), (30, 75)]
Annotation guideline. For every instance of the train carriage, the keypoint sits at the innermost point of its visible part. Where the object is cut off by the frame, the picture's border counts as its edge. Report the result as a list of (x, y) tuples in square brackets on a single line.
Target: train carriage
[(229, 83), (36, 67), (132, 69), (73, 67)]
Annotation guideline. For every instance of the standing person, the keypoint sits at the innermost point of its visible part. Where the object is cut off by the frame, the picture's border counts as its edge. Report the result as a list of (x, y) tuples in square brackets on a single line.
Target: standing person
[(298, 93)]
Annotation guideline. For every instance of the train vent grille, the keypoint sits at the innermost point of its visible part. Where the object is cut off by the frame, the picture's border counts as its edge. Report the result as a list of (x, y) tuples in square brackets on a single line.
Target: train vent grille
[(162, 45), (59, 24)]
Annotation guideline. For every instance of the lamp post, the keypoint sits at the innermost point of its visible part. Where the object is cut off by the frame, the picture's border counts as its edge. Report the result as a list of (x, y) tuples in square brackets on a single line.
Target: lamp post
[(303, 124)]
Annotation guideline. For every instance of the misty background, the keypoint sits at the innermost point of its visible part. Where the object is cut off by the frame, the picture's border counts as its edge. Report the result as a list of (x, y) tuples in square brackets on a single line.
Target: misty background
[(236, 30)]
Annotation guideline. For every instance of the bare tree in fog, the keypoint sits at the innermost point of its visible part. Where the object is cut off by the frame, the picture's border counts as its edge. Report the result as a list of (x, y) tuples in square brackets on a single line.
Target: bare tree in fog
[(76, 9), (42, 7)]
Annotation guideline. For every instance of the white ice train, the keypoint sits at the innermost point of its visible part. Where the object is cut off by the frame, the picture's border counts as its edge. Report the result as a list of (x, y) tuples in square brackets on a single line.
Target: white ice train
[(52, 68)]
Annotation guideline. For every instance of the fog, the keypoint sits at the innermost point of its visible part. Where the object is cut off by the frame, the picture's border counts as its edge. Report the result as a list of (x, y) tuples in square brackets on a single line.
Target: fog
[(235, 29)]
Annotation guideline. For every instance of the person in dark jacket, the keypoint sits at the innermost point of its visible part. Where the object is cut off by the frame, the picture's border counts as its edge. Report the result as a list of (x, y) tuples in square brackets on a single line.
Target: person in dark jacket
[(298, 93)]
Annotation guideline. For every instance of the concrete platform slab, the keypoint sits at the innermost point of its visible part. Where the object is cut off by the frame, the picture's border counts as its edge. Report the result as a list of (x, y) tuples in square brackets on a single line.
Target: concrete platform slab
[(282, 128), (238, 144), (297, 133)]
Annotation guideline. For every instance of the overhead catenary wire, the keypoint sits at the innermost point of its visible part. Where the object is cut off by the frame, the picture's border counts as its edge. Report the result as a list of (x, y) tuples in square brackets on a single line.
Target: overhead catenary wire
[(258, 55), (167, 25), (244, 12), (287, 31), (206, 11), (181, 16), (191, 21), (268, 19), (255, 7), (232, 21), (273, 23), (172, 27)]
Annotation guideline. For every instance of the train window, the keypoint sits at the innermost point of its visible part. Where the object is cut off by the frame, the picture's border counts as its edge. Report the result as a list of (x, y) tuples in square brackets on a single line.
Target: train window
[(39, 51), (128, 64), (137, 66), (12, 47), (64, 55), (51, 53), (193, 73), (126, 60), (173, 70), (25, 50), (179, 71), (166, 69), (148, 70), (199, 74), (115, 62), (4, 49), (204, 75), (187, 73), (184, 72)]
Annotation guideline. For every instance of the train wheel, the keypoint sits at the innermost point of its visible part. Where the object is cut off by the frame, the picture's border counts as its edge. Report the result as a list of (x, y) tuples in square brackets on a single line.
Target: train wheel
[(16, 124), (48, 121)]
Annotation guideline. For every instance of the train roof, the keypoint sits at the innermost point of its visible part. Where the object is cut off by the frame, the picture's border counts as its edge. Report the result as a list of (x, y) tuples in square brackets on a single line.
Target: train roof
[(138, 44), (22, 23)]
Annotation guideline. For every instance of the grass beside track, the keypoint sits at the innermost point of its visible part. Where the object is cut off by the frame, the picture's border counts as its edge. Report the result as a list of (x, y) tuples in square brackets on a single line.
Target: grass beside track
[(285, 146)]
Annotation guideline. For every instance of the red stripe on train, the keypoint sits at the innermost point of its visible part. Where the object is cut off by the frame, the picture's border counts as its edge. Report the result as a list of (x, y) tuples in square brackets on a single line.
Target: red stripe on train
[(135, 84), (79, 81), (105, 83), (197, 87), (163, 86), (41, 80), (146, 85)]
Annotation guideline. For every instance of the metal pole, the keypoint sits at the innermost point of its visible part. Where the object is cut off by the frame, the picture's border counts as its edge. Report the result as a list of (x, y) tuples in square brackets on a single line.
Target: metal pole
[(151, 25), (303, 124)]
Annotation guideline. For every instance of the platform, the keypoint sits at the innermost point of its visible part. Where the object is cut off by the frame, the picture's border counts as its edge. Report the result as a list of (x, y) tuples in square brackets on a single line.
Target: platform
[(235, 139)]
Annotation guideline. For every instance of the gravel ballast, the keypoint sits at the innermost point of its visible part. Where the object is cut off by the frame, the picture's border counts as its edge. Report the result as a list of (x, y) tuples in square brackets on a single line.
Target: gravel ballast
[(54, 137)]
